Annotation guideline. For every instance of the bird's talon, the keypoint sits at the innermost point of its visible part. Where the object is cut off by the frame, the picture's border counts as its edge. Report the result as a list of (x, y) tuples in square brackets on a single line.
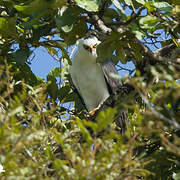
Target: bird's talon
[(91, 113)]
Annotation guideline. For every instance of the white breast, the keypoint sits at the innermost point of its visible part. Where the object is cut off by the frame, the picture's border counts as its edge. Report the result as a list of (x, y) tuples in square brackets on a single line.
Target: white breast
[(89, 80)]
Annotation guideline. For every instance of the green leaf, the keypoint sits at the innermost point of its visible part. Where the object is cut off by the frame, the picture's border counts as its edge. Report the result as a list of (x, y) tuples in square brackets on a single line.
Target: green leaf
[(115, 59), (137, 31), (128, 2), (21, 7), (176, 11), (58, 3), (141, 1), (148, 22), (52, 88), (52, 51), (136, 49), (118, 5), (106, 48), (2, 22), (176, 2), (91, 124), (65, 68), (33, 20), (149, 6), (21, 55), (8, 26), (41, 30), (29, 7), (111, 13), (32, 6), (139, 34), (176, 42), (65, 94), (104, 51), (79, 30), (105, 118), (84, 131), (121, 54), (65, 19), (176, 176), (162, 6), (89, 5), (54, 72)]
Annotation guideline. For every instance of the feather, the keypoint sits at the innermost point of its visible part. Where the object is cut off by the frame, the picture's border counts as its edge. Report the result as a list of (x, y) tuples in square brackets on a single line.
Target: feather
[(76, 91), (113, 85), (109, 68)]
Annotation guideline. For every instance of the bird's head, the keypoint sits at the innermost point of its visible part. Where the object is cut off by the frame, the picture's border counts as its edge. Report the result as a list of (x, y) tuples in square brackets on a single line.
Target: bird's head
[(88, 45)]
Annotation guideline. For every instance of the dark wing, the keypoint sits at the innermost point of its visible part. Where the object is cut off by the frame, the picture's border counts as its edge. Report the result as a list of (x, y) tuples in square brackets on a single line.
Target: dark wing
[(113, 85), (109, 68), (76, 91)]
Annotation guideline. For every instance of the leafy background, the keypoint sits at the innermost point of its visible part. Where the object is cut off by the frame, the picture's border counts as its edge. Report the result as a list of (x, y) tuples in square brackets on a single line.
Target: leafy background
[(43, 137)]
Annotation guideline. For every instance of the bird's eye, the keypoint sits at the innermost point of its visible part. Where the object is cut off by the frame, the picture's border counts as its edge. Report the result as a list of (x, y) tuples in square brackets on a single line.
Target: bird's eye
[(85, 46), (95, 46)]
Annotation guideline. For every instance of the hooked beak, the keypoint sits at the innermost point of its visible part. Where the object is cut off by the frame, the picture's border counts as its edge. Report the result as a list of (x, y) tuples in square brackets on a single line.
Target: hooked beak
[(91, 48)]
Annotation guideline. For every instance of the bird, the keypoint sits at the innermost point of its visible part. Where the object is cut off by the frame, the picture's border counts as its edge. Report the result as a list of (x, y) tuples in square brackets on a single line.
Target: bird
[(94, 82)]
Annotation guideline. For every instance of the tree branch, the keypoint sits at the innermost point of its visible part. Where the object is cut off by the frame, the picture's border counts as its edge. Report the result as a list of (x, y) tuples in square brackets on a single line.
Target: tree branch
[(132, 18), (159, 55)]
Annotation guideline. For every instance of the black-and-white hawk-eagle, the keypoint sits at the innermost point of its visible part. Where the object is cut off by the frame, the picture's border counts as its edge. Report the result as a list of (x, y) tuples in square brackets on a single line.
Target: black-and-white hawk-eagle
[(93, 81)]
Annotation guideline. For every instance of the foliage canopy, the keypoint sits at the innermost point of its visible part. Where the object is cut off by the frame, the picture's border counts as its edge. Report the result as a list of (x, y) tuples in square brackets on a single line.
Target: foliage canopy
[(40, 138)]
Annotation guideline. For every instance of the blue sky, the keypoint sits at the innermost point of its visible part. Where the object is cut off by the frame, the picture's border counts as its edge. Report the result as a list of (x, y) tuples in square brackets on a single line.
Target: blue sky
[(43, 62)]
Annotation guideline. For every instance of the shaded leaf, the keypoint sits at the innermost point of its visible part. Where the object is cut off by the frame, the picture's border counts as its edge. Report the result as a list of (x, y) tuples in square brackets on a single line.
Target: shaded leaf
[(84, 132), (105, 49), (177, 2), (30, 8), (121, 54), (65, 94), (8, 26), (21, 55), (79, 30), (52, 87), (136, 49), (65, 19)]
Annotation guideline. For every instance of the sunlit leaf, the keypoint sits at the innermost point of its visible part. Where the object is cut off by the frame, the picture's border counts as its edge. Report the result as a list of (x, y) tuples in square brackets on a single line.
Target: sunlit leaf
[(141, 1), (89, 5), (128, 2), (33, 6), (176, 176), (148, 22), (162, 6), (118, 5)]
